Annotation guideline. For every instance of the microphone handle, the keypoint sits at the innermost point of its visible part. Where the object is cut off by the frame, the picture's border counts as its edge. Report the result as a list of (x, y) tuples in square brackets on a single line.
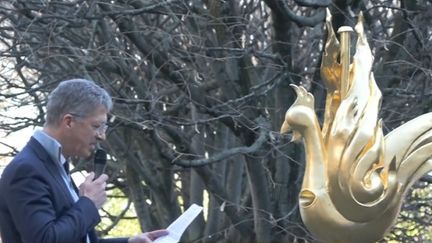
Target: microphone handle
[(98, 170)]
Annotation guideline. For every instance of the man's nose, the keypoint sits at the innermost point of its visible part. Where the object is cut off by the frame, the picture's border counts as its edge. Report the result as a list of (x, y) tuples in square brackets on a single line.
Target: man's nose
[(101, 136)]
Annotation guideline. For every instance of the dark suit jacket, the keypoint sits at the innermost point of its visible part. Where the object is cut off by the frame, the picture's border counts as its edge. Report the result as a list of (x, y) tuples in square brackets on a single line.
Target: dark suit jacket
[(36, 206)]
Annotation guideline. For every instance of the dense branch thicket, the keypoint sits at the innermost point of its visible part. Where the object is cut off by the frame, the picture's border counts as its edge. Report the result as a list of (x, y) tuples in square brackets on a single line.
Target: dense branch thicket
[(200, 91)]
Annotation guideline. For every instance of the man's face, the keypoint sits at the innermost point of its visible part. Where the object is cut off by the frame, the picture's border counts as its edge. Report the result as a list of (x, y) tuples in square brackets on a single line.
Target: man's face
[(85, 133)]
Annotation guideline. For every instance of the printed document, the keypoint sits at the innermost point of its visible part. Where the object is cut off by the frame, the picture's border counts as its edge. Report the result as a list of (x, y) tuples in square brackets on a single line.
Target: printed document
[(178, 227)]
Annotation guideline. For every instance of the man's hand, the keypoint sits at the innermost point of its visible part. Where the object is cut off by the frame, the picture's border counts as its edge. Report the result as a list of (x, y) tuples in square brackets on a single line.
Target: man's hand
[(94, 190), (148, 237)]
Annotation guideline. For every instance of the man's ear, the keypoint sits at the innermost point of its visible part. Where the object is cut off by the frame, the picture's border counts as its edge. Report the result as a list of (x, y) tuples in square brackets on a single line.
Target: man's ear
[(67, 120)]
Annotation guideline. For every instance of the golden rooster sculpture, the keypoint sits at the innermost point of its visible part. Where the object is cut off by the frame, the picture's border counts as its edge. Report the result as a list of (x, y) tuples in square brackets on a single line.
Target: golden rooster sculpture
[(355, 177)]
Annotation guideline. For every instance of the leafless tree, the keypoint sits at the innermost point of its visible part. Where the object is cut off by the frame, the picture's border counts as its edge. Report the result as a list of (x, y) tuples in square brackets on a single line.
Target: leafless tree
[(200, 91)]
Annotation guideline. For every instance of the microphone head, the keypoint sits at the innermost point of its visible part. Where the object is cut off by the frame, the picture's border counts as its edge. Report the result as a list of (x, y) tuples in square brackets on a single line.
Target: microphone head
[(100, 157)]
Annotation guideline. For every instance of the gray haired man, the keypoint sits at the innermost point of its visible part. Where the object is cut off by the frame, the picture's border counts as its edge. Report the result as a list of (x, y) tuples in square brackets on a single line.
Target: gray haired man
[(39, 202)]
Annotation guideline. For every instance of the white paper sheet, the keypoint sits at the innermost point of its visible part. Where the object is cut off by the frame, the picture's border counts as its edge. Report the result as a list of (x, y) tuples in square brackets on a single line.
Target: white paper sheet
[(178, 227)]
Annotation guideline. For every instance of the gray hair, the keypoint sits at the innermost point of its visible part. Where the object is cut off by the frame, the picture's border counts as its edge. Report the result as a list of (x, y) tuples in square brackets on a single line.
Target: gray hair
[(76, 96)]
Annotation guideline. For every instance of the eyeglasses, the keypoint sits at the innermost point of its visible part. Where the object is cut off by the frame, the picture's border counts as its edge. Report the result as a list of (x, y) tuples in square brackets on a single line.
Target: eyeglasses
[(99, 129)]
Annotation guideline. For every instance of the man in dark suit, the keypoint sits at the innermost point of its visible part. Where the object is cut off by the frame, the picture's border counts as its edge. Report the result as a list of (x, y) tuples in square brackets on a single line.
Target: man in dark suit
[(38, 200)]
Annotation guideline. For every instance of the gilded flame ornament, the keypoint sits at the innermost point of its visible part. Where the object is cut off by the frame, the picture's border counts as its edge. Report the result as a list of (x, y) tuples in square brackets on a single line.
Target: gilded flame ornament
[(355, 177)]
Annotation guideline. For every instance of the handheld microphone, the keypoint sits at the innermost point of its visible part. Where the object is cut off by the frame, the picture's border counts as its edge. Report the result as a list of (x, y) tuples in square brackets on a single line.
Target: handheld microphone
[(100, 160)]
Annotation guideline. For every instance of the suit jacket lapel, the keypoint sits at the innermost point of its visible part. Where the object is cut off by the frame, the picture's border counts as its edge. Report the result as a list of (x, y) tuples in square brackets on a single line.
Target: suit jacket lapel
[(52, 167)]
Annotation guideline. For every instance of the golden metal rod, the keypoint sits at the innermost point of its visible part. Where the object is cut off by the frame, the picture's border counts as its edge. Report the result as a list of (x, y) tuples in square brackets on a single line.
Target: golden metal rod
[(344, 33)]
